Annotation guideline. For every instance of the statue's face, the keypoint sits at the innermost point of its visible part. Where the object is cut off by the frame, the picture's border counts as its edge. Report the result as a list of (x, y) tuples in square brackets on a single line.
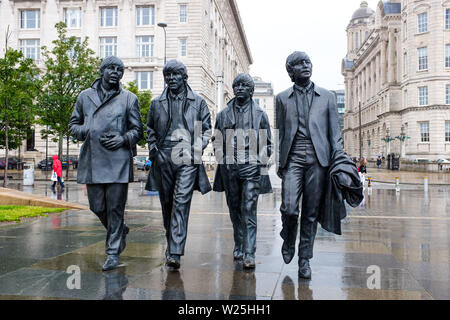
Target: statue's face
[(112, 74), (303, 69), (174, 80), (243, 90)]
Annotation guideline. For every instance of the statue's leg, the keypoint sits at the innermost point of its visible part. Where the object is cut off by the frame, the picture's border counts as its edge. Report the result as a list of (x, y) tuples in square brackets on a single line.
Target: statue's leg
[(116, 198), (232, 186), (315, 179), (182, 197), (292, 188), (96, 196)]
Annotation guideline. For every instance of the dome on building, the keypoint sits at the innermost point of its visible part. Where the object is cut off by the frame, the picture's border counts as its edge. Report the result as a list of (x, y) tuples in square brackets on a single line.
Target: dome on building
[(363, 12)]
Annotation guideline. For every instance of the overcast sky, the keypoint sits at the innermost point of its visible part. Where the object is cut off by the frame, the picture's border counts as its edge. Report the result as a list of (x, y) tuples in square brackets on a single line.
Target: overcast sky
[(276, 28)]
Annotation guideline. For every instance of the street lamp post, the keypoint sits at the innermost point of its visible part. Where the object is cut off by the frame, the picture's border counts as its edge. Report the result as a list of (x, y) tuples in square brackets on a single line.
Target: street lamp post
[(164, 25)]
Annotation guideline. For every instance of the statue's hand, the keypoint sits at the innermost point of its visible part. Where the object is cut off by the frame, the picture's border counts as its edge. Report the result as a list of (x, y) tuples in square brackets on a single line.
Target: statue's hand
[(113, 142)]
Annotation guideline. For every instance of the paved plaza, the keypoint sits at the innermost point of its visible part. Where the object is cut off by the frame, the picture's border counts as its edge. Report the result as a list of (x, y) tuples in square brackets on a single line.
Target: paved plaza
[(405, 235)]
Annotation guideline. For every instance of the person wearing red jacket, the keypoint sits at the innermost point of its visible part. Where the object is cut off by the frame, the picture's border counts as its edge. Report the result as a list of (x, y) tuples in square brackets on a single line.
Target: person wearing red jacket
[(57, 168)]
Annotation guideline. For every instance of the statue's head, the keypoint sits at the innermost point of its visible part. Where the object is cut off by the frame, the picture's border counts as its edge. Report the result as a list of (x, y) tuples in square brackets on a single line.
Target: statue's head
[(175, 75), (111, 70), (299, 67), (243, 86)]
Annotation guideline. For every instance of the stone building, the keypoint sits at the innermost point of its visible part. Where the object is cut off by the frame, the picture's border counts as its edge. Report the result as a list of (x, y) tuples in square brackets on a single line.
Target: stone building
[(397, 80), (265, 98), (207, 35)]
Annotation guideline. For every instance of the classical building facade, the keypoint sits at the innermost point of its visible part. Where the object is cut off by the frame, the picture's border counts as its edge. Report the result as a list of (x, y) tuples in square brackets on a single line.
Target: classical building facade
[(265, 98), (207, 35), (397, 80)]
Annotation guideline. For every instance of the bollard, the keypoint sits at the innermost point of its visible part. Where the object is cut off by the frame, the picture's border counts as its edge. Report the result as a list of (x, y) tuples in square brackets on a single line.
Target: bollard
[(397, 184), (425, 184), (369, 181)]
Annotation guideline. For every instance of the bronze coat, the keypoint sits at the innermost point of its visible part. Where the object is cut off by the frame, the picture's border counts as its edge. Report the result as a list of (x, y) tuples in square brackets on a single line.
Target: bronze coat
[(158, 117), (120, 113)]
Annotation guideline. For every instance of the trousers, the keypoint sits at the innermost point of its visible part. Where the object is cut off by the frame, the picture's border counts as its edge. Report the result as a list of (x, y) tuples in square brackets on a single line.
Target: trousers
[(241, 184), (302, 176), (108, 201), (177, 187)]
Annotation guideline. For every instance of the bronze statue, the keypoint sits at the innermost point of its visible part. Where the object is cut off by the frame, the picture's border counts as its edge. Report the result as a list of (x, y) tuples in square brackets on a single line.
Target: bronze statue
[(239, 172), (310, 145), (175, 149), (107, 119)]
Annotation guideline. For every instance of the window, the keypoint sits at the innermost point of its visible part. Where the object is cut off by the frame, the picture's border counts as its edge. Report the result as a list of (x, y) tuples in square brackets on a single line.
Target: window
[(145, 16), (447, 131), (72, 51), (30, 19), (144, 80), (108, 46), (31, 48), (183, 47), (447, 55), (183, 13), (422, 22), (447, 94), (423, 96), (108, 17), (257, 101), (423, 58), (424, 131), (405, 30), (144, 46), (447, 19), (72, 17)]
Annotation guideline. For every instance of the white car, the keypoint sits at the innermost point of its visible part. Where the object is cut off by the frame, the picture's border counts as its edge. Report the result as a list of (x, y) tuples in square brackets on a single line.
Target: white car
[(140, 161), (443, 161)]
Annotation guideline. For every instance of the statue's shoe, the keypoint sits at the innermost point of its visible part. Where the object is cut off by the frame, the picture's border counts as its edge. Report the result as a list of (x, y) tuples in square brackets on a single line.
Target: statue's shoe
[(304, 270), (173, 261), (249, 262), (111, 263)]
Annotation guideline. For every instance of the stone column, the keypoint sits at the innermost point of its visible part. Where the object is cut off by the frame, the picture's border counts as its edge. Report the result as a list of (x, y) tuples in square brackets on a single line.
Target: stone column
[(391, 73), (383, 62)]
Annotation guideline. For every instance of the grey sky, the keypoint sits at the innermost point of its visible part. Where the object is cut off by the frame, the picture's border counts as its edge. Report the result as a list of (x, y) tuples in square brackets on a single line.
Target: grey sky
[(275, 29)]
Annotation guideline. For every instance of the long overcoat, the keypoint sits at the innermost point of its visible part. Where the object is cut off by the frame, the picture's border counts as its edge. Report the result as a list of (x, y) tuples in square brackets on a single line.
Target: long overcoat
[(195, 110), (226, 120), (90, 120)]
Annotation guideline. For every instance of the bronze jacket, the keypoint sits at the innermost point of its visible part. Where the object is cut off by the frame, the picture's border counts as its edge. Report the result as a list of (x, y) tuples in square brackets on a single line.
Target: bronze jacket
[(158, 117), (90, 120), (226, 120), (323, 124)]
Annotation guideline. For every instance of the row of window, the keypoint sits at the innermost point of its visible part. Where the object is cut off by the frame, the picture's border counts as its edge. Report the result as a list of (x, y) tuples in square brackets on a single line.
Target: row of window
[(145, 47), (425, 131), (423, 95), (422, 55), (145, 16), (422, 22)]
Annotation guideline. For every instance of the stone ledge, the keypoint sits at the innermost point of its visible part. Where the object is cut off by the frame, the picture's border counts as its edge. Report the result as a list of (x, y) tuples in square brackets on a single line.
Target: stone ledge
[(15, 197)]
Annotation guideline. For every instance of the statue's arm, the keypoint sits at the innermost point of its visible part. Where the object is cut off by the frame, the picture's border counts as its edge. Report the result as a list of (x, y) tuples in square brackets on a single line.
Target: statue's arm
[(267, 148), (134, 124), (334, 131), (206, 123), (152, 137), (78, 125)]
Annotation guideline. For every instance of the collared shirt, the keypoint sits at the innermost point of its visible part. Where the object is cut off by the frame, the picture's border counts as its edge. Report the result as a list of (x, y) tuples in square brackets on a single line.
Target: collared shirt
[(304, 98), (243, 122), (104, 94), (176, 104)]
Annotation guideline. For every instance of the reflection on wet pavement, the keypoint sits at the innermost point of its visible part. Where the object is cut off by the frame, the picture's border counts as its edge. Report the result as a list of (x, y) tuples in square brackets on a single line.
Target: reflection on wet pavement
[(405, 234)]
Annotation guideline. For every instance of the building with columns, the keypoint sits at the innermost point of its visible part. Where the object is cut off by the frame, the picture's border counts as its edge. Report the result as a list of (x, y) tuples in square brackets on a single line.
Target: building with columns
[(397, 80), (206, 35), (265, 98)]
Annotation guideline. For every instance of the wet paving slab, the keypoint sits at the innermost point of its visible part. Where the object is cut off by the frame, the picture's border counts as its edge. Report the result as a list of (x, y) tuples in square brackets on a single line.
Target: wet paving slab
[(406, 235)]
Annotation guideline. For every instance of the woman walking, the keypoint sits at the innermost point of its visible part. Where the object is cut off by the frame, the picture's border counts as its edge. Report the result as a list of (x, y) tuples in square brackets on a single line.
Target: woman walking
[(57, 169)]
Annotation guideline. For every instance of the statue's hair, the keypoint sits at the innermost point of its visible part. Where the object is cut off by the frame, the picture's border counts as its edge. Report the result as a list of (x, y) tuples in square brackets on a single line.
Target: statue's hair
[(175, 66), (111, 60), (246, 78), (293, 59)]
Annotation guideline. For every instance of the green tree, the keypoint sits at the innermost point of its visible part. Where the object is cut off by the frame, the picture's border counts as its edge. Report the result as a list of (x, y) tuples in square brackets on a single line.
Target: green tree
[(18, 88), (144, 98), (70, 67)]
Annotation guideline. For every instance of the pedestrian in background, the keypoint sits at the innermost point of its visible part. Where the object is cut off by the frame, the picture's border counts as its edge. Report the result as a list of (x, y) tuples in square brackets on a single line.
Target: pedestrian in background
[(379, 162), (57, 170), (362, 166)]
